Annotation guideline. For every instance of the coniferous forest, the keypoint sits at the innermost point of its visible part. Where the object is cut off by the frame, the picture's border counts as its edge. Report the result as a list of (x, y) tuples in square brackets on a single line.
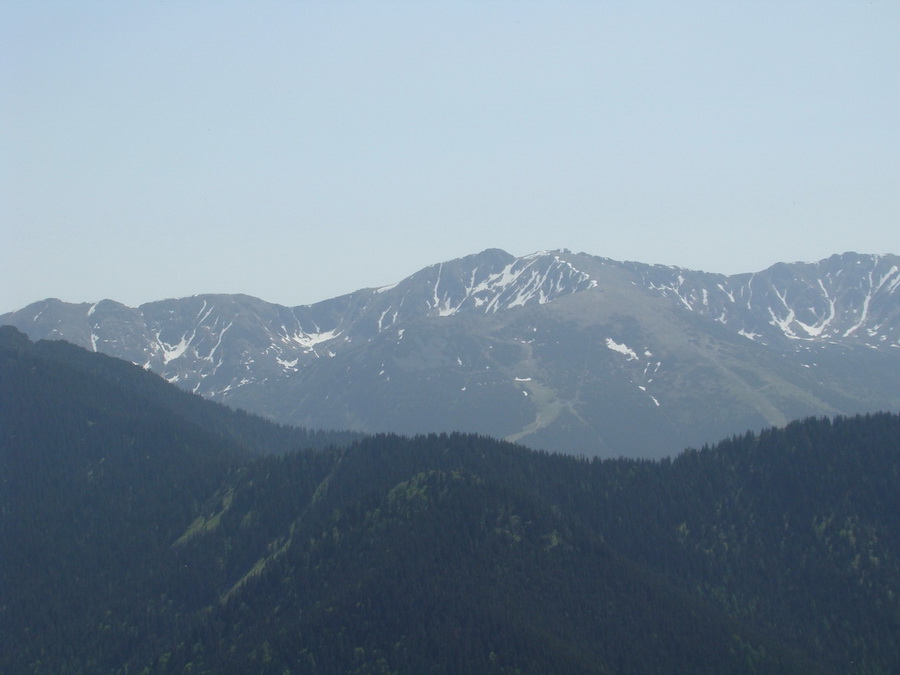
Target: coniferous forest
[(145, 530)]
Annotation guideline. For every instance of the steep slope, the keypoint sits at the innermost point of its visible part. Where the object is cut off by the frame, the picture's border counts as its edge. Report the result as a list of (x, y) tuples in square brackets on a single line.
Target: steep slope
[(555, 350)]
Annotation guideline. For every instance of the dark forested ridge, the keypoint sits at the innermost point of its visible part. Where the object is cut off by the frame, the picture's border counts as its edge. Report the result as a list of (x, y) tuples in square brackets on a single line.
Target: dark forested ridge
[(101, 465), (135, 539), (66, 361)]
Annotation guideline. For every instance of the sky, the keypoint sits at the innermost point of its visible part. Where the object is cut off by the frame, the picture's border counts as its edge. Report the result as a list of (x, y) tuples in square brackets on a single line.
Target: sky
[(296, 151)]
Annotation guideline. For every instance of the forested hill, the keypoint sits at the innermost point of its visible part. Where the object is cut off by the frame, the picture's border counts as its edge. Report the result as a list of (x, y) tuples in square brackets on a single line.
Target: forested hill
[(101, 465), (54, 364), (769, 553), (135, 540)]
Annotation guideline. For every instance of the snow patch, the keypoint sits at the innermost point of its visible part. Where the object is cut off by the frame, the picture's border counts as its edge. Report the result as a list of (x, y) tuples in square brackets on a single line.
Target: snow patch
[(287, 365), (310, 340), (172, 352), (622, 349)]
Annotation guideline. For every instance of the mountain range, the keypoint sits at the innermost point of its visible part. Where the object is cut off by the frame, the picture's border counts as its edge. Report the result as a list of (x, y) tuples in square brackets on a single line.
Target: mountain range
[(555, 350)]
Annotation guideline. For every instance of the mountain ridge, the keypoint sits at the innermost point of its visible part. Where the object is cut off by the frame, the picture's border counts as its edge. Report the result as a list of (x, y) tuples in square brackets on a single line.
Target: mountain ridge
[(488, 336)]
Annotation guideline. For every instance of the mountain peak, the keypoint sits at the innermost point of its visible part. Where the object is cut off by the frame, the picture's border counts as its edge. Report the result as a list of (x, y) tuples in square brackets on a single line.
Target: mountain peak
[(494, 281)]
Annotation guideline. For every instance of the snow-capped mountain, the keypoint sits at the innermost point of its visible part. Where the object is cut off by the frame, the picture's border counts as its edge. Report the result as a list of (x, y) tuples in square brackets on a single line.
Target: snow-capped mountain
[(557, 350), (846, 299)]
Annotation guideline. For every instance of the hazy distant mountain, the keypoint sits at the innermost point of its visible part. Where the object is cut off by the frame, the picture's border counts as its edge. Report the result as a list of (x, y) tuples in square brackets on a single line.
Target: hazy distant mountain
[(556, 350)]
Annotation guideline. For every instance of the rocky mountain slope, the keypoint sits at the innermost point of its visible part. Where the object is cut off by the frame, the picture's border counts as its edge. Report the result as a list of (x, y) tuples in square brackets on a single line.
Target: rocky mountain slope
[(555, 350)]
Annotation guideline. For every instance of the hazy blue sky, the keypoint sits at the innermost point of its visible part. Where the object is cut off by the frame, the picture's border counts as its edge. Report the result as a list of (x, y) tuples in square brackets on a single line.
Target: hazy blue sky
[(297, 151)]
